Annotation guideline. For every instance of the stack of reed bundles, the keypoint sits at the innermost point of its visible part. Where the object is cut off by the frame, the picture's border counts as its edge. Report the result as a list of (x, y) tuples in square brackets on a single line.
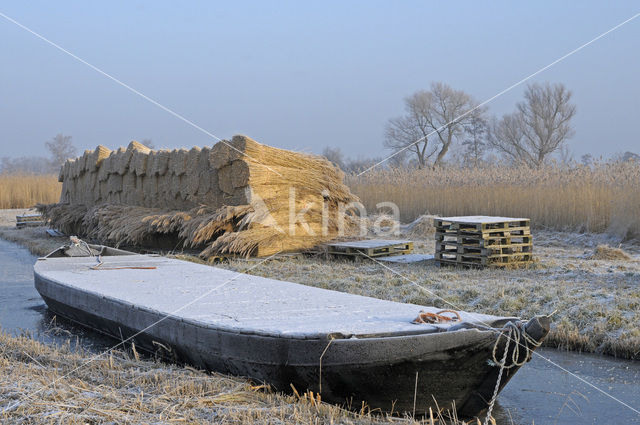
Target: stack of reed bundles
[(237, 198)]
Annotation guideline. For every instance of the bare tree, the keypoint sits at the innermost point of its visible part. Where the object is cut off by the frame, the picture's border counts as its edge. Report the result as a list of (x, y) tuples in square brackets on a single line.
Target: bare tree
[(359, 164), (506, 136), (335, 156), (442, 111), (627, 156), (539, 127), (148, 143), (566, 156), (411, 131), (398, 161), (25, 165), (586, 159), (61, 149), (475, 143)]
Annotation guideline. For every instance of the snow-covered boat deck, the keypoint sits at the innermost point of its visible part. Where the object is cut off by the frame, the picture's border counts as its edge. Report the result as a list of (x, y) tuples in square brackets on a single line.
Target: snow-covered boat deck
[(237, 302)]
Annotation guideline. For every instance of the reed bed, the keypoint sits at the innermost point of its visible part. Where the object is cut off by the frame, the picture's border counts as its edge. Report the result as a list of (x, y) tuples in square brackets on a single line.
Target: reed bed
[(26, 190), (42, 384), (604, 197)]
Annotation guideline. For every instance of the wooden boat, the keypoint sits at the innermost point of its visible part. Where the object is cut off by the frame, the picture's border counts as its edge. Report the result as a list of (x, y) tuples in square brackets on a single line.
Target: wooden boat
[(351, 349)]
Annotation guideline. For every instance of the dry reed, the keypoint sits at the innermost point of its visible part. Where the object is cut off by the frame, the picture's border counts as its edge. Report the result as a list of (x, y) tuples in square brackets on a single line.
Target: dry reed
[(24, 191), (120, 387), (604, 197), (235, 230), (608, 253)]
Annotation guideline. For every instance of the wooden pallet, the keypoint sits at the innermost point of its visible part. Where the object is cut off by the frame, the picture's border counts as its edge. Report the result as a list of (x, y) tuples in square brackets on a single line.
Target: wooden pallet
[(480, 242), (29, 220), (370, 248), (483, 260), (512, 264), (480, 223), (483, 242), (494, 249), (513, 232)]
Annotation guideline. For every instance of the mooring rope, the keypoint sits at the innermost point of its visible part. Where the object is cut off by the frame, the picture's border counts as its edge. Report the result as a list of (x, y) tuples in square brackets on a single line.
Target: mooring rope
[(79, 242), (502, 365), (515, 333), (321, 356), (55, 250), (74, 240)]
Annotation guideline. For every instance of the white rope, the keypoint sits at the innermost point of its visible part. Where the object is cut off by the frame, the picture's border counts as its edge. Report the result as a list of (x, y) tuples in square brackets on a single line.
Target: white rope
[(515, 333), (79, 242), (502, 365), (73, 240), (86, 245), (99, 262)]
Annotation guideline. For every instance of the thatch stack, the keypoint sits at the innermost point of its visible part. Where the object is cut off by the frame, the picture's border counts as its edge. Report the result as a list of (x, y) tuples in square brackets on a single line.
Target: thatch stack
[(80, 177), (239, 197), (279, 184)]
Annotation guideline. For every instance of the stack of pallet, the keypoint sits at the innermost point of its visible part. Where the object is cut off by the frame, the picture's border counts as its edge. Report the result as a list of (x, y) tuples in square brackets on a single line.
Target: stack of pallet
[(483, 241), (29, 220)]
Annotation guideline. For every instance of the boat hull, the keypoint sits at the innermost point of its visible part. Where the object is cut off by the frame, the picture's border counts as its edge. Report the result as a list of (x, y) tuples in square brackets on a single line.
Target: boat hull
[(392, 374)]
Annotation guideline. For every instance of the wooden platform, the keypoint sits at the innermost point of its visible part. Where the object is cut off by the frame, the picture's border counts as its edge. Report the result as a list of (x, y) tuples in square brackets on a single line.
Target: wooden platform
[(371, 248), (29, 220), (483, 241)]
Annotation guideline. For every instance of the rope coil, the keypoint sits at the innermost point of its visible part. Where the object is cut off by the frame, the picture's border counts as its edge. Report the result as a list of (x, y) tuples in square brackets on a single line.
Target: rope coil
[(439, 317), (515, 333)]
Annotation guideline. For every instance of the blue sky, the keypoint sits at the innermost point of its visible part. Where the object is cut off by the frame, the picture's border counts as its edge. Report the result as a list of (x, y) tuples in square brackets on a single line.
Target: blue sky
[(302, 75)]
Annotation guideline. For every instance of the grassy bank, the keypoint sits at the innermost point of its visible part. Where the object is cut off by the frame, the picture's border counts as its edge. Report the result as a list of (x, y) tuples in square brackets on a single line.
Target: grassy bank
[(24, 191), (35, 239), (41, 384), (601, 198)]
